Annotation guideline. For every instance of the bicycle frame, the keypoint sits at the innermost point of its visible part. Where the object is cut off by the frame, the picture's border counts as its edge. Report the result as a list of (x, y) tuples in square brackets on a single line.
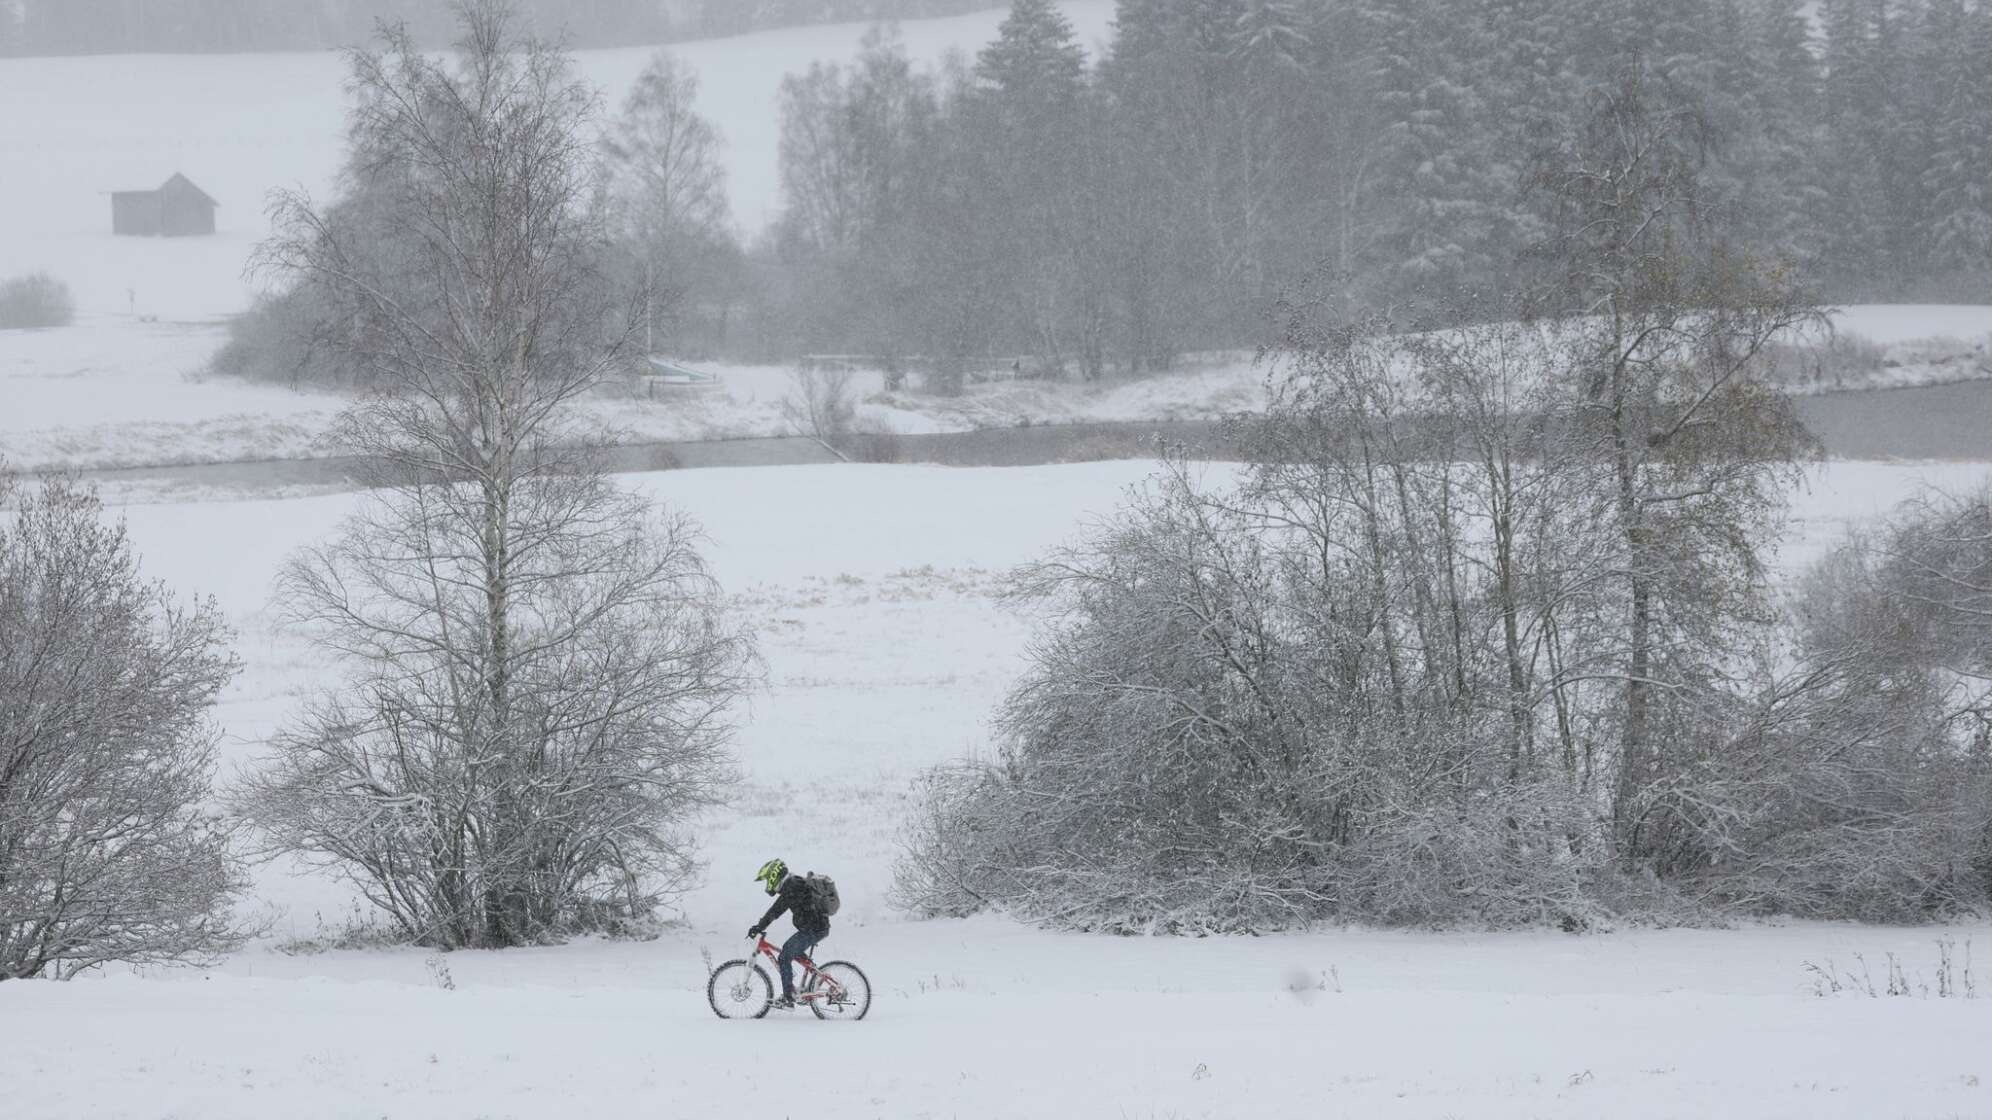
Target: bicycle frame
[(807, 988)]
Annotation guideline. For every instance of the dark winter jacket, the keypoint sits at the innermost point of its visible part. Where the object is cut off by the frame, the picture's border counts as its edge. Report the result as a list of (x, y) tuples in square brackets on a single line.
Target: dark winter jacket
[(794, 894)]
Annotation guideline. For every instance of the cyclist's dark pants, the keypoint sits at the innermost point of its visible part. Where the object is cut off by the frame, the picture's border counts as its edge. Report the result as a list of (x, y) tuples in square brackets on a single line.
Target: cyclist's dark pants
[(798, 945)]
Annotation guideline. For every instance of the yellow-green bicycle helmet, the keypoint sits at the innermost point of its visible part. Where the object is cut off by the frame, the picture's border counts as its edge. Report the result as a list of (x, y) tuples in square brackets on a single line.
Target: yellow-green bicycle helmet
[(771, 874)]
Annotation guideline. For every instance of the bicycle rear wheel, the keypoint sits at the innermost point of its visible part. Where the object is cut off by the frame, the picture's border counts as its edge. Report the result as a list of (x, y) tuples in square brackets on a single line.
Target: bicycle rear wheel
[(843, 992), (740, 990)]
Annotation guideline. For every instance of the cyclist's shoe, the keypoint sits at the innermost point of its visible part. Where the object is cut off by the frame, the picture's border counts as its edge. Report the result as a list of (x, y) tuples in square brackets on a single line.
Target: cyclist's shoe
[(783, 1003)]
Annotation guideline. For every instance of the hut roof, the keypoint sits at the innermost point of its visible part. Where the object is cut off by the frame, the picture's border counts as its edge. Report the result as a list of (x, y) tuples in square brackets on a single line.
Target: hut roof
[(182, 182)]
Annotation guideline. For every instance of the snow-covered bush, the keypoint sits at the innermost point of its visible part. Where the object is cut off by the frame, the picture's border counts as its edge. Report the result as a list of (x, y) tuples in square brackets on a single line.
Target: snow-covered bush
[(1512, 856), (35, 300), (289, 338), (1882, 806), (1208, 741), (107, 850)]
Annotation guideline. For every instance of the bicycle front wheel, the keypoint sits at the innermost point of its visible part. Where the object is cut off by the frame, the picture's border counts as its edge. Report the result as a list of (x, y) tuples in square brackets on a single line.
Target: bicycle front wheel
[(740, 990), (842, 992)]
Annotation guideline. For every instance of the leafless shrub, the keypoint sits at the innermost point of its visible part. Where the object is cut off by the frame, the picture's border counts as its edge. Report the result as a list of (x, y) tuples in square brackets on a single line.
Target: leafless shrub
[(1955, 358), (1953, 982), (107, 851), (873, 440), (944, 857), (1830, 979), (356, 929), (1824, 360), (819, 404), (35, 300), (290, 337), (1882, 804), (1825, 978), (1829, 360), (1513, 857), (945, 377)]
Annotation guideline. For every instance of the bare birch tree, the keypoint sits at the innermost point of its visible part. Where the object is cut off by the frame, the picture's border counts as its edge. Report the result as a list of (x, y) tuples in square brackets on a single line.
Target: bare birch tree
[(539, 667), (667, 183), (1700, 449)]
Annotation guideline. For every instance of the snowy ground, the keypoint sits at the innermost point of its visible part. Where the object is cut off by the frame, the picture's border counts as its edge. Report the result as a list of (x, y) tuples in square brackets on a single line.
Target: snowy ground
[(115, 391), (873, 590), (980, 1020)]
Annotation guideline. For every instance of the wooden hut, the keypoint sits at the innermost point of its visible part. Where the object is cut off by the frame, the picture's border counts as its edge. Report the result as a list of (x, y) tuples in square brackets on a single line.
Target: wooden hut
[(177, 208)]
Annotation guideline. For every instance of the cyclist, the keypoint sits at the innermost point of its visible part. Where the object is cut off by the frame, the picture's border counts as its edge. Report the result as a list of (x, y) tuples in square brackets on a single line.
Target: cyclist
[(812, 925)]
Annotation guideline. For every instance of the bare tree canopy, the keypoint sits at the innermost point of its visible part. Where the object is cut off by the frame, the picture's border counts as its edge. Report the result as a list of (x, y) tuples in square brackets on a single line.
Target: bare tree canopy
[(108, 850), (667, 184), (470, 239), (494, 775)]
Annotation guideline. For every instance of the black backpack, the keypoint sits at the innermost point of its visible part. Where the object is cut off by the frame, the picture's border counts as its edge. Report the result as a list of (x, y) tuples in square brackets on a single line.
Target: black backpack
[(822, 892)]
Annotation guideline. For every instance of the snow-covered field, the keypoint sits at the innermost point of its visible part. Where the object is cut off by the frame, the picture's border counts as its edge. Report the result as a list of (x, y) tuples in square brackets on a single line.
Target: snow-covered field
[(119, 392), (873, 588), (978, 1020), (114, 391)]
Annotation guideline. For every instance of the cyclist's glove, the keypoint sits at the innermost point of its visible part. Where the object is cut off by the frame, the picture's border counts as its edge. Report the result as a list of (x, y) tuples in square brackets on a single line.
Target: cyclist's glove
[(754, 931)]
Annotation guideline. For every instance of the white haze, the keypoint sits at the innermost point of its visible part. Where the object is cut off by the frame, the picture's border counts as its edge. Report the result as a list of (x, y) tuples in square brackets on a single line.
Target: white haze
[(77, 129)]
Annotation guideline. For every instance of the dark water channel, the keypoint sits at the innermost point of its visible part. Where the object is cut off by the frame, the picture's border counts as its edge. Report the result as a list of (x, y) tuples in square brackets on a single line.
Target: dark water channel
[(1935, 422)]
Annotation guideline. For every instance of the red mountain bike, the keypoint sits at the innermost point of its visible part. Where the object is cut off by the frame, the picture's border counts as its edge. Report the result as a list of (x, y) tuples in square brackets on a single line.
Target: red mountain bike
[(742, 989)]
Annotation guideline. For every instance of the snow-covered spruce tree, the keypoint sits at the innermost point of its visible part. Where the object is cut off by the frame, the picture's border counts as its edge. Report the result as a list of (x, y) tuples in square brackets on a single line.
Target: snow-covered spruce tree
[(1030, 117), (107, 849), (538, 669), (1959, 176)]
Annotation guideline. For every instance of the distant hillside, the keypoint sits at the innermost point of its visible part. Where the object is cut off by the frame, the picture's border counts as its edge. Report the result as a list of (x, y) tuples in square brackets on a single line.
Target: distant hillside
[(728, 17), (72, 27)]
